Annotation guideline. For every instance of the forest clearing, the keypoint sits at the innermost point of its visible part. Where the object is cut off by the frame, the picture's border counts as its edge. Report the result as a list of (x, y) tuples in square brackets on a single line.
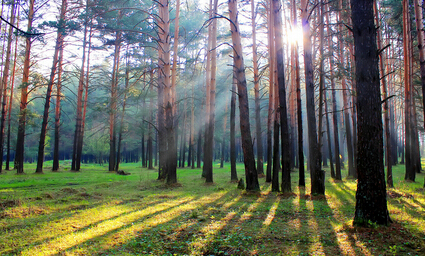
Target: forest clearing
[(96, 212)]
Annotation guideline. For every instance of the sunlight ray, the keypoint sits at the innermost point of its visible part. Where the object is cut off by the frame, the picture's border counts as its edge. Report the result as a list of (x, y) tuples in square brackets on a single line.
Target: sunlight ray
[(78, 237), (132, 227)]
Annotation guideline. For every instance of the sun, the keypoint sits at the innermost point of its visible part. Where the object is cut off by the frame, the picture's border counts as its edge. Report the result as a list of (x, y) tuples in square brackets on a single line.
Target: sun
[(294, 35)]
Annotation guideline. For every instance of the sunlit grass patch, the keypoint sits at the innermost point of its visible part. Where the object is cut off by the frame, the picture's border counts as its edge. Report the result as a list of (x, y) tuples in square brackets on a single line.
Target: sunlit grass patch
[(95, 212)]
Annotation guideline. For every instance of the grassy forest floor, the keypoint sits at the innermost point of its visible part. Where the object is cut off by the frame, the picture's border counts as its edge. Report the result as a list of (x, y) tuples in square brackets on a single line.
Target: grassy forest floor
[(94, 212)]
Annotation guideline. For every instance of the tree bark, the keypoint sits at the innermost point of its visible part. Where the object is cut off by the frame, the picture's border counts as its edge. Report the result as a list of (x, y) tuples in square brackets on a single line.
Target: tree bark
[(58, 112), (11, 102), (260, 168), (247, 147), (338, 175), (19, 157), (301, 179), (113, 106), (421, 47), (127, 81), (317, 175), (209, 139), (384, 95), (371, 203), (233, 173), (59, 44), (5, 79), (285, 145), (347, 119), (328, 132), (408, 105), (79, 103), (270, 113)]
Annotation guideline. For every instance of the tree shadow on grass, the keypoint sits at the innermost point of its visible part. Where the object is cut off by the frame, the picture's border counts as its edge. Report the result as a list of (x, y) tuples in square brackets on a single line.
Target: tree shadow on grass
[(323, 216), (216, 228), (79, 235), (140, 235)]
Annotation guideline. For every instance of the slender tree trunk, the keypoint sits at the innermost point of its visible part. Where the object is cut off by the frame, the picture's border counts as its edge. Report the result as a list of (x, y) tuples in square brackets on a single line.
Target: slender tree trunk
[(5, 80), (256, 93), (169, 104), (59, 43), (408, 105), (191, 158), (127, 81), (150, 135), (347, 119), (19, 157), (321, 74), (113, 106), (328, 132), (211, 122), (11, 100), (247, 147), (301, 179), (79, 104), (384, 95), (371, 203), (83, 119), (285, 145), (317, 174), (233, 173), (223, 142), (276, 125), (58, 112), (206, 160), (199, 150), (421, 47), (338, 175), (270, 114)]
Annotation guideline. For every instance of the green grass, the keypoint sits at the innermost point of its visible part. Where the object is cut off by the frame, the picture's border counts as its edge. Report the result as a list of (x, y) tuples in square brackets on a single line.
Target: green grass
[(94, 212)]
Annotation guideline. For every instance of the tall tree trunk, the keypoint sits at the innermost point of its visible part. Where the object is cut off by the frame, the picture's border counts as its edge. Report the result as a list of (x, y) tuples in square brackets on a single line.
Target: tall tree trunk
[(5, 80), (338, 175), (317, 174), (421, 47), (209, 139), (321, 74), (59, 44), (301, 179), (150, 133), (127, 81), (19, 157), (371, 203), (285, 145), (113, 106), (191, 157), (79, 103), (206, 160), (408, 105), (58, 112), (384, 95), (84, 102), (260, 169), (247, 147), (223, 142), (328, 132), (270, 113), (347, 119), (233, 173), (11, 100), (166, 83)]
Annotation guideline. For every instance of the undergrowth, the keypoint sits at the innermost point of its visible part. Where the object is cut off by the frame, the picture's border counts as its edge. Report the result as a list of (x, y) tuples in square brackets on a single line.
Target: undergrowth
[(94, 212)]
